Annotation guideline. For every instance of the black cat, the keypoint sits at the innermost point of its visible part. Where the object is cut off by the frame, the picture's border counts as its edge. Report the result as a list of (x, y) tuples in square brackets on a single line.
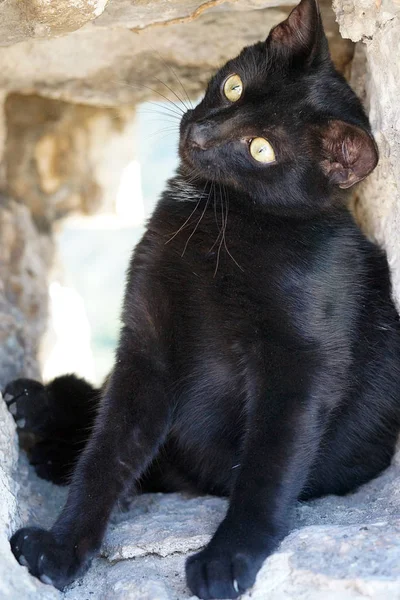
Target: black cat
[(260, 350)]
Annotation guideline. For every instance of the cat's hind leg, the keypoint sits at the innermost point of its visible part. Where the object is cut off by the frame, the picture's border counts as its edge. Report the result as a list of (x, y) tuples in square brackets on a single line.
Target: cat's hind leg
[(58, 416)]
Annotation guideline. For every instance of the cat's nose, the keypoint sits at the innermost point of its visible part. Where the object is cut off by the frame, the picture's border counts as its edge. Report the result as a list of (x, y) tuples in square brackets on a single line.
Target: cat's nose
[(198, 135)]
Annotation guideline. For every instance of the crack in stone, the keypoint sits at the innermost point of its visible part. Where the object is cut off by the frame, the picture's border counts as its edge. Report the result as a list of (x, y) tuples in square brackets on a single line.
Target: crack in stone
[(185, 19)]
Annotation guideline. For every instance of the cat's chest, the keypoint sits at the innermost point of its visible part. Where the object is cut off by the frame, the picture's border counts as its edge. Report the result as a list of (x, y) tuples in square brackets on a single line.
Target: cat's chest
[(242, 265), (224, 240), (237, 254)]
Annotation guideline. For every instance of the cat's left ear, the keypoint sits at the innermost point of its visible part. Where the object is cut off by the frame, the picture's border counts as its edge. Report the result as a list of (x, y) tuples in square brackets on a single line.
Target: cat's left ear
[(349, 153), (301, 35)]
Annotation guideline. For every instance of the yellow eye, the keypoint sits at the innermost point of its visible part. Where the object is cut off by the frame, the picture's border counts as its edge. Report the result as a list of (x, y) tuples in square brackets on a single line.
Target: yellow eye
[(233, 88), (261, 150)]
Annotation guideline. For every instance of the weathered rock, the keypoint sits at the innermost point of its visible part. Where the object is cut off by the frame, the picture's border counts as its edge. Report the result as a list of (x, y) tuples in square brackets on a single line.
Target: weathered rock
[(21, 19), (361, 19), (163, 525), (59, 155), (376, 78), (333, 562), (15, 582), (3, 135), (141, 15), (25, 256), (340, 547), (148, 578), (113, 65), (346, 546)]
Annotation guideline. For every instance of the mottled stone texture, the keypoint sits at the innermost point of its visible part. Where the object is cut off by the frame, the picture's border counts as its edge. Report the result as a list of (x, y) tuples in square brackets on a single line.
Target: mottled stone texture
[(57, 155), (68, 89), (376, 77), (114, 65), (21, 19), (24, 19), (25, 256), (341, 548), (15, 583), (58, 158)]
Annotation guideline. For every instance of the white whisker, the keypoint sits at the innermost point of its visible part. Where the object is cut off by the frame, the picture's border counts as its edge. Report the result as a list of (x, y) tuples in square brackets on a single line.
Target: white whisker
[(198, 222)]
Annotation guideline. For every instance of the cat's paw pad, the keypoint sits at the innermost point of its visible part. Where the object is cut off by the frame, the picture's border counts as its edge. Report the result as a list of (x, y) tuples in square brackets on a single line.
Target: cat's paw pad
[(220, 573), (45, 558), (27, 401)]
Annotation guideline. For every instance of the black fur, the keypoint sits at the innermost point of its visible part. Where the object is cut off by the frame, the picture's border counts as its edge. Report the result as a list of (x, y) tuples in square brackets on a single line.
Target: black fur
[(59, 417), (260, 349)]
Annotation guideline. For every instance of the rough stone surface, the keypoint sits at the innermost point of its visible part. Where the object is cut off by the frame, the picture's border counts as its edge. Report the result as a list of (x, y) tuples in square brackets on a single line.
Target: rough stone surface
[(15, 582), (376, 78), (24, 260), (340, 547), (58, 155), (144, 14), (21, 19), (114, 65), (152, 527), (3, 134), (361, 19)]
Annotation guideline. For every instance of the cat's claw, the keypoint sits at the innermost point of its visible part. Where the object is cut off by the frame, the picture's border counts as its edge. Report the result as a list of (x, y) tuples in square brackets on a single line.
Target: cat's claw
[(27, 401), (47, 559), (221, 573)]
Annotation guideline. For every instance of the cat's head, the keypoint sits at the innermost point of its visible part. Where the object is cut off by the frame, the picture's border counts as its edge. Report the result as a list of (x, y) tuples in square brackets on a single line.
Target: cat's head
[(279, 123)]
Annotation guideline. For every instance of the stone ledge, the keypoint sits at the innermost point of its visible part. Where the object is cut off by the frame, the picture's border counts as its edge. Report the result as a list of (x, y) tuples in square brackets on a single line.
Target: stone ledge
[(340, 547)]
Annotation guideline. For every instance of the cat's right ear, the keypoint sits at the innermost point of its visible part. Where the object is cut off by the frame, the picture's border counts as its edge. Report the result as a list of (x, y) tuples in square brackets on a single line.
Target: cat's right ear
[(301, 36)]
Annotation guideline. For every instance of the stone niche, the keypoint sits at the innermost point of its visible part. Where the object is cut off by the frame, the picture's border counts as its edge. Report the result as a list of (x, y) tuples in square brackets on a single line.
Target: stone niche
[(72, 74)]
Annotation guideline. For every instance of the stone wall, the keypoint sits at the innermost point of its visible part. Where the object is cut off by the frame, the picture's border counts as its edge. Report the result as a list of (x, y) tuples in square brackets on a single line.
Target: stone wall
[(25, 257), (375, 26), (55, 154)]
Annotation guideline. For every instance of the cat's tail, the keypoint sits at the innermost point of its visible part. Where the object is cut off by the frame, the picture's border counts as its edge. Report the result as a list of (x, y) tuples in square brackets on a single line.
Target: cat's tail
[(54, 421)]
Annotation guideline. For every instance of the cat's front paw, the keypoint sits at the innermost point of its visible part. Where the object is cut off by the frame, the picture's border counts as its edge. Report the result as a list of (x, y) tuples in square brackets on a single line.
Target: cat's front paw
[(27, 401), (48, 560), (221, 572)]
